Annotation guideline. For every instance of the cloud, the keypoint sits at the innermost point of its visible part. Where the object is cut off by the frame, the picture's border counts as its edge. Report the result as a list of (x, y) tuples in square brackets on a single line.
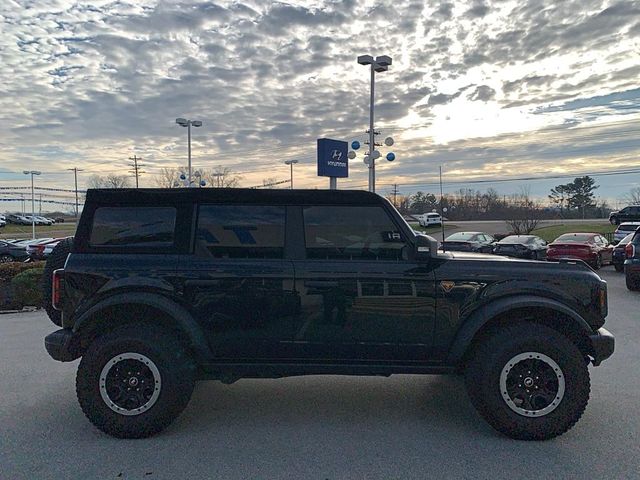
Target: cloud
[(90, 84)]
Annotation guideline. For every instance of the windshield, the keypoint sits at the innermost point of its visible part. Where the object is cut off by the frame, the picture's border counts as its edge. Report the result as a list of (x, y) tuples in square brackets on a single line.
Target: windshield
[(575, 238), (626, 239), (512, 239), (461, 237)]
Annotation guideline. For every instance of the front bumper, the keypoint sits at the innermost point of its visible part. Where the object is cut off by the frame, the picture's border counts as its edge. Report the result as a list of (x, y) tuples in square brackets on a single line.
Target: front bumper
[(602, 345), (62, 345)]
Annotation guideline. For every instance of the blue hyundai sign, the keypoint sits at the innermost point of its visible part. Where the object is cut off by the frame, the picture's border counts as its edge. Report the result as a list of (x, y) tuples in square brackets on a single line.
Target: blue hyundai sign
[(332, 158)]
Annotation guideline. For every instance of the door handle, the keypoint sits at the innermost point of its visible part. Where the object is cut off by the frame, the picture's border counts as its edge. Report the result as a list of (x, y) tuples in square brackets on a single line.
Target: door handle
[(321, 284)]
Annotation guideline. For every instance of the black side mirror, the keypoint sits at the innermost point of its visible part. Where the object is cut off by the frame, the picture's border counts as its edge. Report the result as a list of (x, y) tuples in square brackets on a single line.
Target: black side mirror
[(426, 247)]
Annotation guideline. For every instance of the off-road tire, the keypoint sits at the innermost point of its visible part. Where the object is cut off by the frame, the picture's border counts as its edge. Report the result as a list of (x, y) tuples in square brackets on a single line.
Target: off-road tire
[(619, 267), (633, 282), (175, 367), (56, 260), (6, 259), (491, 355), (614, 221)]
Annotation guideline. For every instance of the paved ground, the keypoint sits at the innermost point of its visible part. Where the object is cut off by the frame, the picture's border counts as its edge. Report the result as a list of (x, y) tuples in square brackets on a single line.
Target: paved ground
[(324, 427)]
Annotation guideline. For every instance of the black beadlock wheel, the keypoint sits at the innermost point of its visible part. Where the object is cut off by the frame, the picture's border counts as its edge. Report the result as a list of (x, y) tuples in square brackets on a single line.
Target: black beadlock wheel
[(6, 258), (528, 381), (56, 260), (134, 381)]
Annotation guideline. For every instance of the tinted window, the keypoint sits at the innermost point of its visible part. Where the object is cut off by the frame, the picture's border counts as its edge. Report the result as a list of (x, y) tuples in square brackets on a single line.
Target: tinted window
[(351, 233), (234, 231), (133, 226)]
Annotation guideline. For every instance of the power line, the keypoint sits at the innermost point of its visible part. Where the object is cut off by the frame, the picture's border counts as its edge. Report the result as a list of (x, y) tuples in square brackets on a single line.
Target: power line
[(136, 167)]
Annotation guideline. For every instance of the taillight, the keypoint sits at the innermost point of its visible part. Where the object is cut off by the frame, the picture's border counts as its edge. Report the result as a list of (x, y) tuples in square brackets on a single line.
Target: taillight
[(56, 288), (630, 250)]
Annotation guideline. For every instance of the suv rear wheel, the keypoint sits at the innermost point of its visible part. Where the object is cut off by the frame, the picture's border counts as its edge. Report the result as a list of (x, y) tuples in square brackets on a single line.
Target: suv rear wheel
[(134, 381), (528, 381), (632, 281)]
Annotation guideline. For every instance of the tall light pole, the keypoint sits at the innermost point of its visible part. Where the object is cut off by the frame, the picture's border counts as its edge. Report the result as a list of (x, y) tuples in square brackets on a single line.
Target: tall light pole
[(379, 64), (183, 122), (33, 201), (291, 163), (75, 171)]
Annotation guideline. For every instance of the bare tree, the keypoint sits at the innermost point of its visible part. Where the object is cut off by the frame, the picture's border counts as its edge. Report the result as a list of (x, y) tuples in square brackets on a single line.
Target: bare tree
[(633, 197), (169, 177), (221, 177), (109, 181), (525, 214)]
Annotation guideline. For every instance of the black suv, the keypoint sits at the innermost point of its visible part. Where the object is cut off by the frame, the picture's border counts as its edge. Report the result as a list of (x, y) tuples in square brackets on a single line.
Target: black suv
[(627, 214), (165, 287)]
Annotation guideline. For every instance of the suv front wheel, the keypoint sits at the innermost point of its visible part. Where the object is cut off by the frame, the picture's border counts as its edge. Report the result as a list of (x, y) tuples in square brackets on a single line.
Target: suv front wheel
[(528, 381), (134, 381)]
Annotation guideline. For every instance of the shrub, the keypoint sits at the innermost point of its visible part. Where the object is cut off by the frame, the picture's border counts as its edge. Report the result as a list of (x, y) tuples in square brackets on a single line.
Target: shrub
[(27, 288), (10, 270)]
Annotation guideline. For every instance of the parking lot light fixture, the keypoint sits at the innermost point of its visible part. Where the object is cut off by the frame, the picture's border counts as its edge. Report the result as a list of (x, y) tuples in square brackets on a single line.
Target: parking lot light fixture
[(291, 163), (379, 64), (33, 201), (183, 122)]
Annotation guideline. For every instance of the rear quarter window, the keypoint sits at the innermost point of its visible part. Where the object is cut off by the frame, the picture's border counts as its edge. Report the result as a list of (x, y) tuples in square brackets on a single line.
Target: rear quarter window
[(133, 226)]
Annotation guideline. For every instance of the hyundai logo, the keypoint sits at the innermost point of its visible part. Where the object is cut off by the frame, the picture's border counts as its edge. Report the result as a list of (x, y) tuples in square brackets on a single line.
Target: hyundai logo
[(336, 155)]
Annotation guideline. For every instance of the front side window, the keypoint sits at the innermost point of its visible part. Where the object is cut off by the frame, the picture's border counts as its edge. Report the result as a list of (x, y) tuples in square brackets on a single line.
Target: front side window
[(133, 226), (241, 231), (352, 233)]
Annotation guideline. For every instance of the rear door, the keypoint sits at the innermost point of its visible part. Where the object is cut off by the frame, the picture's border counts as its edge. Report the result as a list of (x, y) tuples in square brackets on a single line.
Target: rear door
[(238, 282), (361, 298)]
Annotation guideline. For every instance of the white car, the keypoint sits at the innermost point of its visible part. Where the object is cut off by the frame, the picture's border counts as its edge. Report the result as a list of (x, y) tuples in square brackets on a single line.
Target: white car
[(430, 219), (624, 229)]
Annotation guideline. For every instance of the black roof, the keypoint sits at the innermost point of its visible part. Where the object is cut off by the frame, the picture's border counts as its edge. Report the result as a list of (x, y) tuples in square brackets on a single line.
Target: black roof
[(128, 196)]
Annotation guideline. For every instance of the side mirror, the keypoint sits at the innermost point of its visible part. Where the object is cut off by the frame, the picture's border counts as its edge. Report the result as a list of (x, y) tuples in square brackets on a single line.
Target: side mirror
[(426, 247)]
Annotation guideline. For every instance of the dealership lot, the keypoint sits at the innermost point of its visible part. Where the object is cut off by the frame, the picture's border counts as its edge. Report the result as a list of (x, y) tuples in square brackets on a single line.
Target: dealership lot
[(314, 427)]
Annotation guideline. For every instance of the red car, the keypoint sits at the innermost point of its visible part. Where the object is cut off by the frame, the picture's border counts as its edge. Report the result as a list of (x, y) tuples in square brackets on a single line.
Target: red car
[(593, 248)]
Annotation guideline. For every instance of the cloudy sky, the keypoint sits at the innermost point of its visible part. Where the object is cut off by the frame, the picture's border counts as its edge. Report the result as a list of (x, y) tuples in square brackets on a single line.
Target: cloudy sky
[(489, 89)]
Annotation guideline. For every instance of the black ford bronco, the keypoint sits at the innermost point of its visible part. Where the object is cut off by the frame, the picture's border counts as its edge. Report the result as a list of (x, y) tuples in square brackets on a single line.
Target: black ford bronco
[(162, 288)]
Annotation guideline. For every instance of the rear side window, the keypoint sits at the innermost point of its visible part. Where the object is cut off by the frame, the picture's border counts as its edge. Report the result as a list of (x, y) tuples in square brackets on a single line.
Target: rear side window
[(343, 232), (241, 231), (133, 226)]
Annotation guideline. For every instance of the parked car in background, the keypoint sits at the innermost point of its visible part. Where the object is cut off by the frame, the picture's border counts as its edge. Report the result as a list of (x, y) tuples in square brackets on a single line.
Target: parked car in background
[(18, 219), (59, 220), (430, 219), (469, 242), (10, 252), (619, 253), (625, 229), (592, 248), (41, 250), (25, 243), (44, 220), (522, 246), (632, 262), (3, 221), (627, 214)]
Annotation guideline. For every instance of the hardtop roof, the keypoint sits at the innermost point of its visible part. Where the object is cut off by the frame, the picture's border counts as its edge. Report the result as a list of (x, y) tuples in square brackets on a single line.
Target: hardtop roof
[(249, 196)]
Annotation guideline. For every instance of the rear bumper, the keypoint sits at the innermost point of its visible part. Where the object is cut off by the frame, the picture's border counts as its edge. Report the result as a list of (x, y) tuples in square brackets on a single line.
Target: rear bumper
[(62, 346), (602, 344)]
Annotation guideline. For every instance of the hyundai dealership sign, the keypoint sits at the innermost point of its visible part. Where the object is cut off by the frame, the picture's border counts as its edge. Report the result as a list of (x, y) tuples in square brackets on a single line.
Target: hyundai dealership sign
[(332, 158)]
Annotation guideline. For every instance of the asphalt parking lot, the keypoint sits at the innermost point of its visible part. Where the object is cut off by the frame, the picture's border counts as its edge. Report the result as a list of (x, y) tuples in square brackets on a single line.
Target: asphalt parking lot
[(325, 427)]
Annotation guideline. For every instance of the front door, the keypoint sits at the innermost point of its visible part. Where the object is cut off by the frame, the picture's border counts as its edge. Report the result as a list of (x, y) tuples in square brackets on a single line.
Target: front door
[(361, 299)]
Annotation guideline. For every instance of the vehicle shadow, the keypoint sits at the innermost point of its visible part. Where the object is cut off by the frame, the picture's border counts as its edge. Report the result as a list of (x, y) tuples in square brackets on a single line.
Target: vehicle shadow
[(433, 404)]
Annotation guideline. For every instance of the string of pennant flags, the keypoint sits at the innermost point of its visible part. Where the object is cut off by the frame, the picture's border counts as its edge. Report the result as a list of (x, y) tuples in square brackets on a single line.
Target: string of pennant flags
[(48, 189)]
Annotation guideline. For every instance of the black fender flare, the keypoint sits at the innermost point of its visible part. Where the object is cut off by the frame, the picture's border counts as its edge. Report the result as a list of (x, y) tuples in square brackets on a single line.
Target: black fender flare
[(182, 318), (480, 317)]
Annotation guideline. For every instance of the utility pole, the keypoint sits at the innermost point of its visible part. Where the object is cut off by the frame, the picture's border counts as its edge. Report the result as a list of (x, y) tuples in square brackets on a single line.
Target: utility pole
[(395, 192), (40, 207), (75, 171), (136, 167), (441, 207)]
